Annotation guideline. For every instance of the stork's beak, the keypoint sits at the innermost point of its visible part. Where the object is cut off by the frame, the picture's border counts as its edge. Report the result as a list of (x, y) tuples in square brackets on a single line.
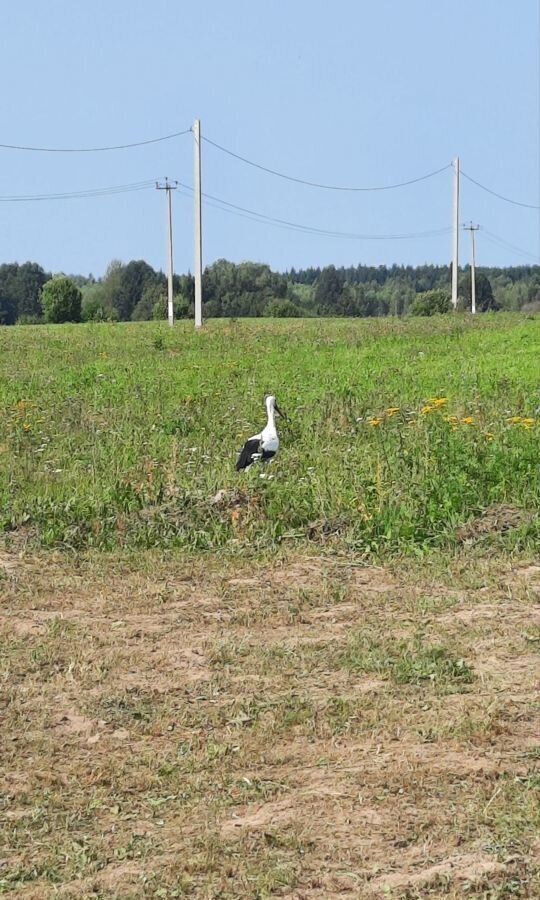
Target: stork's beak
[(282, 414)]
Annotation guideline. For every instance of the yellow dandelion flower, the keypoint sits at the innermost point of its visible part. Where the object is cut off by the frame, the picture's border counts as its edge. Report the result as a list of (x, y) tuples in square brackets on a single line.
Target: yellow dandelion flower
[(427, 409), (468, 420), (528, 423), (438, 402), (391, 411), (514, 420), (374, 423), (452, 420)]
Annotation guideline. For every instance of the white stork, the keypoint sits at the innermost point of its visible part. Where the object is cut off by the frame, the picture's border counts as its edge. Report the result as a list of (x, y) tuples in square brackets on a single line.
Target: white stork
[(265, 445)]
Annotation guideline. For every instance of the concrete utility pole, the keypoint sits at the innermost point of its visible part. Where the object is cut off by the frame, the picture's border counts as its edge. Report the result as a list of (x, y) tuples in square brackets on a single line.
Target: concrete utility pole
[(169, 186), (473, 228), (455, 236), (197, 214)]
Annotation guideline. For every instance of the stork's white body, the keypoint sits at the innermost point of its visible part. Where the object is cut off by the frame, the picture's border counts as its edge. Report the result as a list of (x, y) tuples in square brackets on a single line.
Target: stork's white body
[(264, 445), (268, 436)]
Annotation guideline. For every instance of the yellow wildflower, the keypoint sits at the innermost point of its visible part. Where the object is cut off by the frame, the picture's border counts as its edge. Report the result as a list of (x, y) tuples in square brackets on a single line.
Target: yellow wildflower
[(438, 402), (391, 411), (468, 420), (427, 409), (21, 406), (514, 420), (374, 423), (527, 423), (452, 420)]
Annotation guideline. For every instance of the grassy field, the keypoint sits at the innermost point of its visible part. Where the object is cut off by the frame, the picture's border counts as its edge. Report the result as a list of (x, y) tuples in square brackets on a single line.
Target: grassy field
[(400, 432), (318, 685)]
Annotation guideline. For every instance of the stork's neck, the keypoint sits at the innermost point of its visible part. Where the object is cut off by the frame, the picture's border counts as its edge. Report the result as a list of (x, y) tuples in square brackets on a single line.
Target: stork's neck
[(271, 423)]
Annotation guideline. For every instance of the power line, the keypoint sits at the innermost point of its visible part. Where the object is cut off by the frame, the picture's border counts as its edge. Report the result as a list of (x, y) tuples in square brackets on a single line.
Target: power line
[(500, 196), (157, 140), (226, 206), (327, 187), (75, 195), (495, 239)]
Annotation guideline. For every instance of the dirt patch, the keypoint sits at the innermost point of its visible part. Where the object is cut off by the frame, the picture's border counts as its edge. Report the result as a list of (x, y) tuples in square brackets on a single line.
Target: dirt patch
[(467, 867), (372, 580), (16, 627), (162, 668), (73, 723), (298, 574), (193, 730), (8, 563), (482, 611), (529, 572)]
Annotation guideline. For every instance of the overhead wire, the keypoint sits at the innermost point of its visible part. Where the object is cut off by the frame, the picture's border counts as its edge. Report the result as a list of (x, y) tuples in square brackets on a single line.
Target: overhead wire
[(495, 239), (496, 194), (315, 184), (244, 212), (232, 208), (157, 140), (83, 194)]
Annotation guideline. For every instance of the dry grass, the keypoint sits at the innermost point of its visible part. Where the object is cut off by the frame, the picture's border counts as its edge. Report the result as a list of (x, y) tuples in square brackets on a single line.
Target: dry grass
[(312, 728)]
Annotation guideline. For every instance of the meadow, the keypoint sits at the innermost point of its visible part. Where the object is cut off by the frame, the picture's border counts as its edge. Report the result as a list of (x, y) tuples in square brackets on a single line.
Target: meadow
[(399, 432), (316, 685)]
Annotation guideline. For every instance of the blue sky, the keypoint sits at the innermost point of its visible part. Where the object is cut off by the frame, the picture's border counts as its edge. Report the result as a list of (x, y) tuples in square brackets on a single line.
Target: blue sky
[(347, 92)]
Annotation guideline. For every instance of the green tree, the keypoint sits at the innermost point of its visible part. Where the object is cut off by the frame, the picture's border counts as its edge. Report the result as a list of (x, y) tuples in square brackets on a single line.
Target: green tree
[(20, 288), (125, 285), (183, 308), (430, 303), (485, 301), (154, 295), (62, 300), (328, 290), (8, 310), (95, 304)]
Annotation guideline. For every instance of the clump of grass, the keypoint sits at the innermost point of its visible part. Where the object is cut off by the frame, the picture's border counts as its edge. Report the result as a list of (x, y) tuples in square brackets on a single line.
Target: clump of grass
[(405, 662)]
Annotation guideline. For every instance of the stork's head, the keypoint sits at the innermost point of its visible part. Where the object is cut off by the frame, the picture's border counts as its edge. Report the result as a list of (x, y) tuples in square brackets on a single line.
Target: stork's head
[(271, 406)]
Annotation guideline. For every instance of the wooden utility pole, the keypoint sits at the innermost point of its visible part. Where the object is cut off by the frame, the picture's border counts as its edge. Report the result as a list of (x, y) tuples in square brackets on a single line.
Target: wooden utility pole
[(169, 186), (197, 214), (455, 236), (473, 229)]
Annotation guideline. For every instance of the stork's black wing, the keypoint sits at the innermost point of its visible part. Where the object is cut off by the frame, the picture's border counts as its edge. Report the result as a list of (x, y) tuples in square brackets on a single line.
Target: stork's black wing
[(250, 451)]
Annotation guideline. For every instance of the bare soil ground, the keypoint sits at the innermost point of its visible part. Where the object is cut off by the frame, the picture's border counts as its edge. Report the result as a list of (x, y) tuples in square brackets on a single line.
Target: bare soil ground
[(312, 728)]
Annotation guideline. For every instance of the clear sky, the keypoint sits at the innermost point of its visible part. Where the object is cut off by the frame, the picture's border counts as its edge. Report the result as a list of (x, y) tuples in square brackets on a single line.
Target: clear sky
[(345, 92)]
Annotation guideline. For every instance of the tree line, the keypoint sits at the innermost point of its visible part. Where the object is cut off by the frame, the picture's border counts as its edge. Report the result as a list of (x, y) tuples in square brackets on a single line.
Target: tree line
[(134, 291)]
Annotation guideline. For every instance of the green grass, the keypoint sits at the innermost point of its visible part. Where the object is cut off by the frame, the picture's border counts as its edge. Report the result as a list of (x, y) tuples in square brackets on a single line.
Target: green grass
[(121, 435), (406, 663)]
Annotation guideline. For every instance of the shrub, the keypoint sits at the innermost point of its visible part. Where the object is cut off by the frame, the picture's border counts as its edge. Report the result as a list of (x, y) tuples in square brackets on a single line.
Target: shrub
[(430, 303), (62, 300), (282, 309)]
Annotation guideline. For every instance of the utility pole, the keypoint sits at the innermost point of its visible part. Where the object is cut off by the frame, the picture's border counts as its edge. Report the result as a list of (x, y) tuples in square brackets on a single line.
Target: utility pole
[(473, 229), (455, 236), (197, 215), (169, 186)]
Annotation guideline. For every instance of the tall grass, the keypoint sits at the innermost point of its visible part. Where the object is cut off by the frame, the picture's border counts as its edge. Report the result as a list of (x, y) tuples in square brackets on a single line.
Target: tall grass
[(122, 435)]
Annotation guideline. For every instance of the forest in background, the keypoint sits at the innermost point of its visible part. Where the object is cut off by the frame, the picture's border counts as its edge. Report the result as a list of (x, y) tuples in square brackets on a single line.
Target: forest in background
[(134, 291)]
